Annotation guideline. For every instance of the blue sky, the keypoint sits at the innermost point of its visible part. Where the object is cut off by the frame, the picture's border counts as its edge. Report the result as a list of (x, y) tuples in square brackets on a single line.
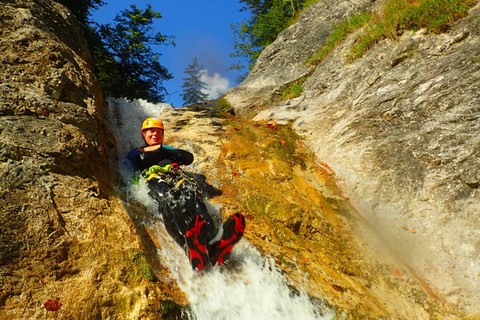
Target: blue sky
[(201, 29)]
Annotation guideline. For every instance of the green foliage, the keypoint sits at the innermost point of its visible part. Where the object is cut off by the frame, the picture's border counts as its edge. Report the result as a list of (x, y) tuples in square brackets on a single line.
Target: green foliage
[(223, 108), (269, 18), (136, 180), (340, 32), (217, 108), (284, 149), (304, 5), (169, 307), (395, 17), (293, 90), (371, 35), (398, 16), (436, 15), (269, 24), (193, 86), (125, 64), (143, 270)]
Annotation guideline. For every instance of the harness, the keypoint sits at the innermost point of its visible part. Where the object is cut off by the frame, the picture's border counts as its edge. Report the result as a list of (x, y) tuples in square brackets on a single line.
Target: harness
[(167, 173), (156, 170)]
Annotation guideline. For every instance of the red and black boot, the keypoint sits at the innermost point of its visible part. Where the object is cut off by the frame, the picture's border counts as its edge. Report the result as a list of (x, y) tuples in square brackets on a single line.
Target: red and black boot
[(233, 231), (197, 243)]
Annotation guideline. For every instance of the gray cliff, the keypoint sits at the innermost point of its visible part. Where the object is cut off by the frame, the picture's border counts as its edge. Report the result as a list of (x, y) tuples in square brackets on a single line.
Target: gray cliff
[(399, 127)]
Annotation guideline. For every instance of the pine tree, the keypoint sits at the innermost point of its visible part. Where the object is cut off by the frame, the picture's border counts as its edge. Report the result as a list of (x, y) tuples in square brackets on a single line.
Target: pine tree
[(193, 86), (126, 65)]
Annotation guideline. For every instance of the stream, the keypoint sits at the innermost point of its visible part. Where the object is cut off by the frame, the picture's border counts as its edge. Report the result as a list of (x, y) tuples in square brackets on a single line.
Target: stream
[(252, 288)]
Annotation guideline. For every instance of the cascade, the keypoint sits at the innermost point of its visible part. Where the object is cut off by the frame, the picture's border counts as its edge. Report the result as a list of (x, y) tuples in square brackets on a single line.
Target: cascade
[(253, 288)]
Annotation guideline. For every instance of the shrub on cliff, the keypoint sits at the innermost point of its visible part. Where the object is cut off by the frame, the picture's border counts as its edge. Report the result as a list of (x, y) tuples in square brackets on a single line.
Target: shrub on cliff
[(124, 62)]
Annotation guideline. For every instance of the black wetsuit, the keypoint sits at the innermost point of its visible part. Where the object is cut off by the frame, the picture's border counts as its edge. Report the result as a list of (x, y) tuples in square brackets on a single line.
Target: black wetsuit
[(178, 195), (163, 156)]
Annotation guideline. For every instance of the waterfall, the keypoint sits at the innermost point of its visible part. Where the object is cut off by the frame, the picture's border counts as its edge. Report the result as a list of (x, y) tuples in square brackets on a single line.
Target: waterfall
[(251, 288)]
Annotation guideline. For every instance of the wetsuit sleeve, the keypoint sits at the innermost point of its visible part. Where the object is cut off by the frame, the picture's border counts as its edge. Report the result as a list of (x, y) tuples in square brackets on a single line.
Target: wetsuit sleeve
[(132, 154), (179, 156), (163, 156)]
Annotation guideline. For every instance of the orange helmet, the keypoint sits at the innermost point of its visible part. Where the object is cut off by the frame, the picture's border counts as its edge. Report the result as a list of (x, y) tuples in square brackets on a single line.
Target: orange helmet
[(152, 123)]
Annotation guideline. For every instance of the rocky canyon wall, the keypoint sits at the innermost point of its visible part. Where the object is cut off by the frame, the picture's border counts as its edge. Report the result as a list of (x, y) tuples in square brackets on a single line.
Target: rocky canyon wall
[(400, 128), (64, 235)]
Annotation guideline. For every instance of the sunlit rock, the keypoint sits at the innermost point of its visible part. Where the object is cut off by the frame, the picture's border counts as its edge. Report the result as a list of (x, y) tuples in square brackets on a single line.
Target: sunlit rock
[(64, 234), (399, 127)]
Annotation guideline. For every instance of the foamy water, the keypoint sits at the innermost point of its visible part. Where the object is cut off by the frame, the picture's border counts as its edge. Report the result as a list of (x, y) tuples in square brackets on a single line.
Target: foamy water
[(252, 289)]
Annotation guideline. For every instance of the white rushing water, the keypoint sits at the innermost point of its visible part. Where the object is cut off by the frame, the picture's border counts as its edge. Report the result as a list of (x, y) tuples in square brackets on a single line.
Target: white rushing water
[(253, 288)]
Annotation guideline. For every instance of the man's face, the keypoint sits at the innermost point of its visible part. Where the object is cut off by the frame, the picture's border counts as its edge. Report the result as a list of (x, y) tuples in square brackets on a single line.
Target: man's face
[(153, 136)]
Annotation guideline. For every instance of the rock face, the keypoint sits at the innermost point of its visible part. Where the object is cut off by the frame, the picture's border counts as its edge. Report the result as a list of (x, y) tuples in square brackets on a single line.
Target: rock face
[(296, 215), (284, 60), (400, 129), (63, 234)]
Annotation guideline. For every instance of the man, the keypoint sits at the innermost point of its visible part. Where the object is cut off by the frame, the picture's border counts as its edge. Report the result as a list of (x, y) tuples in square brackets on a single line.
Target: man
[(185, 215)]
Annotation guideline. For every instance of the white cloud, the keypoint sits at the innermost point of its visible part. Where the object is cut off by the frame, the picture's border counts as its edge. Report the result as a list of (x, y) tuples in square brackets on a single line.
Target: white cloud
[(216, 84)]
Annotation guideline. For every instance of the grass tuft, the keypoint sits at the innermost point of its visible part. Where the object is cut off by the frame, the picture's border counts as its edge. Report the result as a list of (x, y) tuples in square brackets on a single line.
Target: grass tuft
[(394, 18), (143, 270), (340, 32), (293, 90)]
